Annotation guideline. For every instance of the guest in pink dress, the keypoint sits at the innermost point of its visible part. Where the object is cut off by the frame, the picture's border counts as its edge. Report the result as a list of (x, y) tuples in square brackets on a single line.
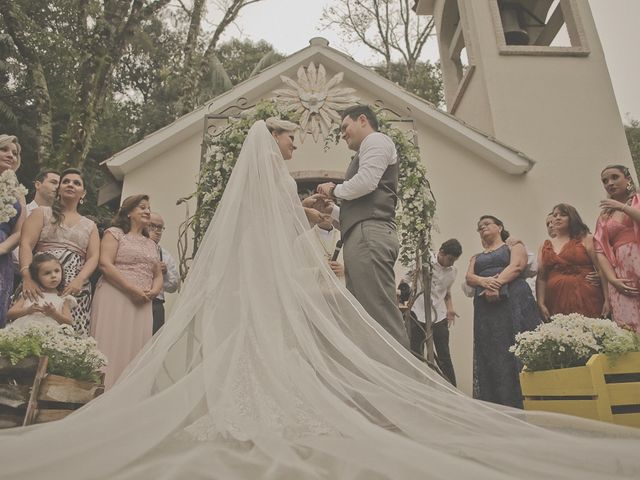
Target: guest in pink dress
[(121, 316), (617, 242)]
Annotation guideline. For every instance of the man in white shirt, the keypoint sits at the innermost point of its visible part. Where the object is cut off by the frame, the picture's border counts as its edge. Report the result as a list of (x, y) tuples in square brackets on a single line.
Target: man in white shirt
[(327, 236), (367, 218), (169, 271), (46, 187), (443, 314)]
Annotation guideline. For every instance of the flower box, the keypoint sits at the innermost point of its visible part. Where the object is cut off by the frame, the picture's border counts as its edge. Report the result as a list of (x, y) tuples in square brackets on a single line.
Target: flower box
[(29, 395), (606, 389), (59, 396)]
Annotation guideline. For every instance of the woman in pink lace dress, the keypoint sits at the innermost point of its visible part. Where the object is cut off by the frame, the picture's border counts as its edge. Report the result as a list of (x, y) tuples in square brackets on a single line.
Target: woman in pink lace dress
[(617, 242), (121, 317)]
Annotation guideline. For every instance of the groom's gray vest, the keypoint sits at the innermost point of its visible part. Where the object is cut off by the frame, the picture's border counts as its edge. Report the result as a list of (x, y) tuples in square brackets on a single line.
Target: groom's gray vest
[(379, 204)]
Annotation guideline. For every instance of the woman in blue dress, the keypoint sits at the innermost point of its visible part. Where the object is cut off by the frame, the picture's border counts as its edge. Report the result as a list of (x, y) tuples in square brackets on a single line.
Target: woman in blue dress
[(503, 306), (10, 228)]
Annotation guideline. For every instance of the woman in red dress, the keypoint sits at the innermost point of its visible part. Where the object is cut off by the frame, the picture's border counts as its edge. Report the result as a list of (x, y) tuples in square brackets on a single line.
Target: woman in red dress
[(565, 263)]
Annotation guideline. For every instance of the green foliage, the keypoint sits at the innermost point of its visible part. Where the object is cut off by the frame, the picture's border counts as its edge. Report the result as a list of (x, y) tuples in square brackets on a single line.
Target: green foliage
[(633, 139), (16, 348), (244, 58), (69, 355), (424, 80)]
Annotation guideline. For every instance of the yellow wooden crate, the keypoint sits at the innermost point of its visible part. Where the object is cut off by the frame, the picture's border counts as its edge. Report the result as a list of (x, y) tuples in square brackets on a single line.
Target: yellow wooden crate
[(606, 389)]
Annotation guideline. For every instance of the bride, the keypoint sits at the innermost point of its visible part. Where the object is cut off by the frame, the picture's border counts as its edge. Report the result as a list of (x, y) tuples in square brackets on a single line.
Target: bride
[(269, 368)]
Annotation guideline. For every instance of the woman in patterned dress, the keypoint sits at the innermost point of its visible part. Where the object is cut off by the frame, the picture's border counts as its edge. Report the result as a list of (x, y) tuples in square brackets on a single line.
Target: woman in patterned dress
[(71, 237), (617, 242), (121, 315), (9, 230)]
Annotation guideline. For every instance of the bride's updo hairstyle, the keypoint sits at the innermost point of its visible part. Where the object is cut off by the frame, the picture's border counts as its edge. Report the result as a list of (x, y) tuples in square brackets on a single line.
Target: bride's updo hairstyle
[(277, 125)]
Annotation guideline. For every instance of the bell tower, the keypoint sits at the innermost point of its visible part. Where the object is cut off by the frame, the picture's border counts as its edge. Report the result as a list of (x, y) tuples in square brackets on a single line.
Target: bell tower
[(532, 74)]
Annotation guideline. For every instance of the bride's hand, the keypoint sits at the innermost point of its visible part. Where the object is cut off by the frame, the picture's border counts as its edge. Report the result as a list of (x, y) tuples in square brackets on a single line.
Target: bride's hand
[(315, 201), (315, 217)]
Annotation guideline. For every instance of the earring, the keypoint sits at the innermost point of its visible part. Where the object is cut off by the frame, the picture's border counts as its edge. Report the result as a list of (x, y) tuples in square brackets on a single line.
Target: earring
[(630, 187), (81, 201)]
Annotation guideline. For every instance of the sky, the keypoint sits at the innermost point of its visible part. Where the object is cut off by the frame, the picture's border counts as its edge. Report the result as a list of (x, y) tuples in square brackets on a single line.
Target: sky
[(291, 23)]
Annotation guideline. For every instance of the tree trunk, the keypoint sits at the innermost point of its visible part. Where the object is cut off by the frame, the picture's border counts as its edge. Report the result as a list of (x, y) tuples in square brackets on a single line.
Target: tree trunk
[(105, 47), (190, 79), (42, 102)]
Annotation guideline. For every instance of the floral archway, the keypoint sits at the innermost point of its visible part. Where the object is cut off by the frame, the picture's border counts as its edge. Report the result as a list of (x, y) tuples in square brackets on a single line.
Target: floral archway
[(416, 205)]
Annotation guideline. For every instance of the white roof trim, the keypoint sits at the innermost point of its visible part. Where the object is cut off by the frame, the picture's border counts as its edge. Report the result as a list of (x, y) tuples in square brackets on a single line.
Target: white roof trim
[(501, 156)]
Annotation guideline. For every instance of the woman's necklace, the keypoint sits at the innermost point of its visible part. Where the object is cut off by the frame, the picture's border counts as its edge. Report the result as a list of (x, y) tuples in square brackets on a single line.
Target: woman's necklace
[(493, 249)]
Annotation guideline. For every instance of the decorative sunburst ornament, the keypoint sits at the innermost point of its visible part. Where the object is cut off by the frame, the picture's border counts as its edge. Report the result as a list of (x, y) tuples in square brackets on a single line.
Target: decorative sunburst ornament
[(316, 99)]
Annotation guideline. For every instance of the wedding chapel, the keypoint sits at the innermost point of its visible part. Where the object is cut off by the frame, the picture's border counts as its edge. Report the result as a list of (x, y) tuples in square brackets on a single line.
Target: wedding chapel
[(530, 121)]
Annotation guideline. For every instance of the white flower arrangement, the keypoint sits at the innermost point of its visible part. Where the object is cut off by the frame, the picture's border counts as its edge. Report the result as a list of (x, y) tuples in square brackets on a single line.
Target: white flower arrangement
[(570, 340), (10, 191), (69, 354)]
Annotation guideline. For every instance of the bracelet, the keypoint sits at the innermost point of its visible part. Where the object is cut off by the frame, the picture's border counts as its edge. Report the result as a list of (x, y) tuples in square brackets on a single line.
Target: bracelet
[(24, 268)]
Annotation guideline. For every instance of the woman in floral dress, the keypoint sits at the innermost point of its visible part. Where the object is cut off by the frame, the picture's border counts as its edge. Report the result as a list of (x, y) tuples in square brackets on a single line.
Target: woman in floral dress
[(617, 241)]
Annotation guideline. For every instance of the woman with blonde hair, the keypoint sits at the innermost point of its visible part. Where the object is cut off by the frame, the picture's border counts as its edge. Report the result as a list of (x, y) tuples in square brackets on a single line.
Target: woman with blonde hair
[(12, 216)]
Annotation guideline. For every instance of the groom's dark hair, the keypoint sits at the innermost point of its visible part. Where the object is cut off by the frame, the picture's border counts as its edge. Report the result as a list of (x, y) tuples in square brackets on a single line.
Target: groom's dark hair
[(354, 112)]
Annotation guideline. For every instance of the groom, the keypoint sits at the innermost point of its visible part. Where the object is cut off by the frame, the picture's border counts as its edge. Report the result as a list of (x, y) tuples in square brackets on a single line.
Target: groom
[(367, 218)]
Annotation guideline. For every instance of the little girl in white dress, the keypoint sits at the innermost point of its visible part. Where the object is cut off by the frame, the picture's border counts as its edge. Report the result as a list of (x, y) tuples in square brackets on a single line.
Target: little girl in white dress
[(52, 308)]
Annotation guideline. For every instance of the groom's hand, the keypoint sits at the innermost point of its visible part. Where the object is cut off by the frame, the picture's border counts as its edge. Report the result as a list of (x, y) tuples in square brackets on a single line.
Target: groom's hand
[(326, 189)]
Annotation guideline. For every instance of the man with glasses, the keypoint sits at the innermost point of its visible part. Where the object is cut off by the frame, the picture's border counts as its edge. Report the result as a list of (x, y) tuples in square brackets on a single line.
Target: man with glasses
[(169, 271)]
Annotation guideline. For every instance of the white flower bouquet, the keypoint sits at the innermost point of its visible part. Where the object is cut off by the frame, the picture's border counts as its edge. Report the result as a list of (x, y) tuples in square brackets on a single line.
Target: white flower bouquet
[(10, 191), (570, 340), (69, 354)]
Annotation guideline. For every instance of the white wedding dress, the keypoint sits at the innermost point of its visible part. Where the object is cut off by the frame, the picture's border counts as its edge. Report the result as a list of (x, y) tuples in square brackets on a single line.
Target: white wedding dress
[(268, 368)]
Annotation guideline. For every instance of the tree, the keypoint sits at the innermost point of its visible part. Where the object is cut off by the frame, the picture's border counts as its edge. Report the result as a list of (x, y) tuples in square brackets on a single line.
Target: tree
[(633, 139), (85, 40), (389, 28), (425, 81), (200, 47)]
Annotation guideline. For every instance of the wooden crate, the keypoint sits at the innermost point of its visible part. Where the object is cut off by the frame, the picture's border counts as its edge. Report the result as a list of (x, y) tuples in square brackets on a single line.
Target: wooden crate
[(28, 394), (606, 389)]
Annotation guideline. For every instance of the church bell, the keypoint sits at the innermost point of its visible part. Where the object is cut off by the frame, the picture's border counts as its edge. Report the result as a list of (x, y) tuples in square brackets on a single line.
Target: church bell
[(512, 16)]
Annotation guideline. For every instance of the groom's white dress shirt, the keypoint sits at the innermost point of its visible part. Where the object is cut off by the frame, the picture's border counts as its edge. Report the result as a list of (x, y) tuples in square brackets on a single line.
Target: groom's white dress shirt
[(377, 151)]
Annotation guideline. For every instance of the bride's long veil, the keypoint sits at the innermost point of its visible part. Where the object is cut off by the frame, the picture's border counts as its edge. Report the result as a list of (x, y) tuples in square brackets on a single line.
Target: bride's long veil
[(268, 368)]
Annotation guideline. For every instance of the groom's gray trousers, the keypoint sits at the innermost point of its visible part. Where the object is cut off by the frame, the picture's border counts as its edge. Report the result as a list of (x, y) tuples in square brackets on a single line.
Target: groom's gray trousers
[(370, 251)]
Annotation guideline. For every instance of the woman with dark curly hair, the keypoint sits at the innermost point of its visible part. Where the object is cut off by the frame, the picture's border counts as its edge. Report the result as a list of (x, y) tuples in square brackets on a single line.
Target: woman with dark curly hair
[(617, 242), (121, 314), (71, 237), (564, 265)]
